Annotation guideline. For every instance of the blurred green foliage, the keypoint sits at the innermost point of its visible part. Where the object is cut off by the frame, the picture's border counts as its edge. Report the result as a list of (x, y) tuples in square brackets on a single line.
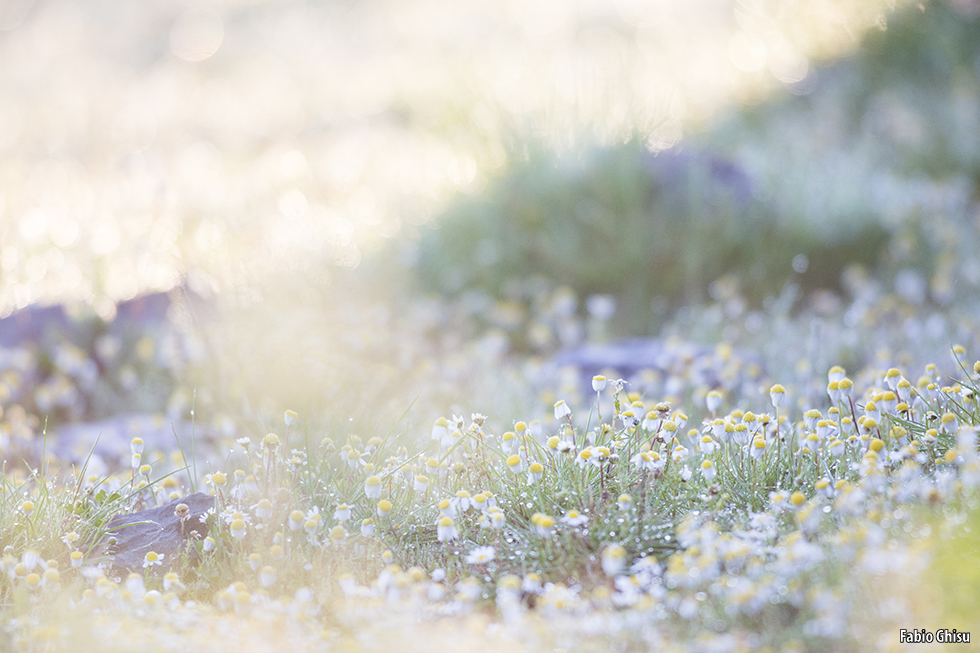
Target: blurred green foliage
[(633, 224), (927, 62), (887, 136), (863, 163), (953, 576), (905, 105)]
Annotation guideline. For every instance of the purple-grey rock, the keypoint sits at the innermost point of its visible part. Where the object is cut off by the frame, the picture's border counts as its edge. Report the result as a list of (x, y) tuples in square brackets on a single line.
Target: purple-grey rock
[(153, 311), (131, 536), (694, 364)]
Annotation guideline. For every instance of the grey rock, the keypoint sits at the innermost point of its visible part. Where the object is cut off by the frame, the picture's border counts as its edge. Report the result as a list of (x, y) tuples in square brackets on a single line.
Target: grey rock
[(32, 323), (694, 364), (131, 536), (677, 169), (63, 342), (629, 357), (152, 311)]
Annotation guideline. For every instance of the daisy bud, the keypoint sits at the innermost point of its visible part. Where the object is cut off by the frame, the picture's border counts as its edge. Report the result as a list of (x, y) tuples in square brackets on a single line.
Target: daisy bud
[(613, 559), (446, 530), (708, 470), (562, 410), (440, 429), (372, 487), (264, 509), (836, 373), (713, 400), (776, 394), (267, 577)]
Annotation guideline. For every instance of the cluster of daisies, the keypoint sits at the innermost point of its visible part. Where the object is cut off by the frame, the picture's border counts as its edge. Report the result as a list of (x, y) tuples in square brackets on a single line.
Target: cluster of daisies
[(551, 517)]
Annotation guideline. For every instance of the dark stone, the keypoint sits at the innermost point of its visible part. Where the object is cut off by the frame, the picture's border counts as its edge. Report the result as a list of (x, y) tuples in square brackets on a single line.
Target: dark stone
[(31, 341), (149, 312), (677, 168), (32, 323), (131, 536), (628, 356), (628, 359)]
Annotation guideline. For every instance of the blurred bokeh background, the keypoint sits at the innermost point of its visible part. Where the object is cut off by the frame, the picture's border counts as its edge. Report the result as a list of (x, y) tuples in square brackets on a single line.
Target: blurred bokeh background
[(143, 144), (356, 205)]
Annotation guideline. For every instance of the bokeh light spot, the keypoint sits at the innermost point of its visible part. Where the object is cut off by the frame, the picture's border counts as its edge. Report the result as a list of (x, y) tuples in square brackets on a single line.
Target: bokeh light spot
[(196, 34)]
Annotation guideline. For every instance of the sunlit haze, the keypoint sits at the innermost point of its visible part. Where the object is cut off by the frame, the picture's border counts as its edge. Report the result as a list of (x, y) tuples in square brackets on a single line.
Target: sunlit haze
[(145, 143)]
